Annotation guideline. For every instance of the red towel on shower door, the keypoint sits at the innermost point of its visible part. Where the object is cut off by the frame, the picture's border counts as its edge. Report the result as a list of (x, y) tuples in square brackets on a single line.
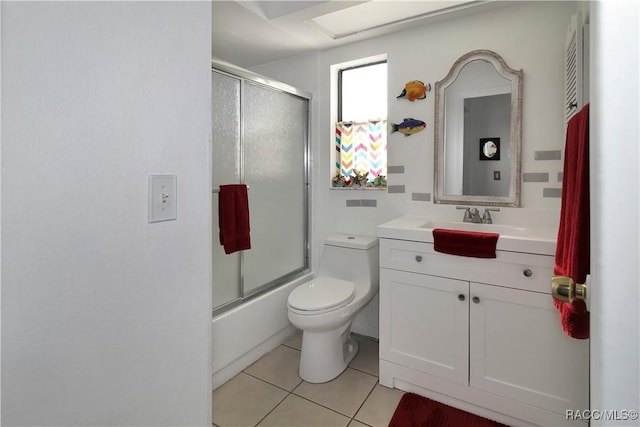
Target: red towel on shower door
[(233, 217), (572, 251)]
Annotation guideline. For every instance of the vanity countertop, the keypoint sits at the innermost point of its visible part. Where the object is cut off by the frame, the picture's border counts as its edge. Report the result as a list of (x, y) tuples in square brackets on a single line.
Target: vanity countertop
[(513, 238)]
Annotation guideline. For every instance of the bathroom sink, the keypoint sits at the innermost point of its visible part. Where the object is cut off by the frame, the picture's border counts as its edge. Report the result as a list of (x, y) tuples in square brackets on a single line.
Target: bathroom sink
[(502, 229), (513, 237)]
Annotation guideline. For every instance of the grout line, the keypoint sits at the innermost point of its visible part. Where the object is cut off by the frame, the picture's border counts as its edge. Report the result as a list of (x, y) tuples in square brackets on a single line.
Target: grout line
[(365, 337), (351, 418), (363, 402), (271, 384), (290, 346), (364, 372), (274, 408), (292, 392), (325, 407), (289, 392)]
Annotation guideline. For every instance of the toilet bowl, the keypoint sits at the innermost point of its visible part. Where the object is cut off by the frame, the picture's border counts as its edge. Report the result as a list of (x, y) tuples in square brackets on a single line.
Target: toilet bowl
[(324, 307)]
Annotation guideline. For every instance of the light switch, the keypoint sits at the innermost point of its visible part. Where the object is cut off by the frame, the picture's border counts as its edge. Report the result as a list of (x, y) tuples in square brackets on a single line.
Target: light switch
[(163, 202)]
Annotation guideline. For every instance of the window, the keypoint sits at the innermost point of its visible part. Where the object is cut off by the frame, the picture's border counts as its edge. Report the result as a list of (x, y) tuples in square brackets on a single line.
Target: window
[(360, 155)]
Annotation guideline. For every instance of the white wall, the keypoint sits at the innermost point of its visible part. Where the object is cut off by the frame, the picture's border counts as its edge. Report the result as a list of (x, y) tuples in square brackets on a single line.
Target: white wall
[(615, 209), (528, 35), (106, 319)]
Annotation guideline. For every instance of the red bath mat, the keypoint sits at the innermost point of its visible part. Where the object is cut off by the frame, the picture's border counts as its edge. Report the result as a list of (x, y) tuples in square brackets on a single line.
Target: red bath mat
[(417, 411)]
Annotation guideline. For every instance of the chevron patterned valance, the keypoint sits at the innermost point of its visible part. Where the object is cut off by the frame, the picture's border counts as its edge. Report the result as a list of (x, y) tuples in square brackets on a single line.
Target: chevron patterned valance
[(362, 147)]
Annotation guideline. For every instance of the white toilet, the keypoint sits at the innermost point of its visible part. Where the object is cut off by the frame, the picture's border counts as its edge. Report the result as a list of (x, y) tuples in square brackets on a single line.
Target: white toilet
[(323, 308)]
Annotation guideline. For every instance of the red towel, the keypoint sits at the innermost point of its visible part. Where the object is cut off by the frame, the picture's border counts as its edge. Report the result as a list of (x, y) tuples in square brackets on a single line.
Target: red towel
[(465, 243), (572, 251), (233, 217)]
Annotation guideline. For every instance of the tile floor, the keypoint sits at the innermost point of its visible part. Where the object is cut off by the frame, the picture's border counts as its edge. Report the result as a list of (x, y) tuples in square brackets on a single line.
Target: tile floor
[(270, 393)]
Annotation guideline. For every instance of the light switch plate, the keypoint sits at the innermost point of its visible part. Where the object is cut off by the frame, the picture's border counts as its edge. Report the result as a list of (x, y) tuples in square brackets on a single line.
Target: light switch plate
[(163, 198)]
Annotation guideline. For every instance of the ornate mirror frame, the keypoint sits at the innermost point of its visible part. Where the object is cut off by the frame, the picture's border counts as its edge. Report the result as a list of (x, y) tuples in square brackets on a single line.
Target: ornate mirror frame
[(515, 77)]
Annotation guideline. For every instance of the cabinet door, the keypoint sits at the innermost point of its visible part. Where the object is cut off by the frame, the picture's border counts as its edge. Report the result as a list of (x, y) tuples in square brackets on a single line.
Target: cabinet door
[(424, 323), (518, 350)]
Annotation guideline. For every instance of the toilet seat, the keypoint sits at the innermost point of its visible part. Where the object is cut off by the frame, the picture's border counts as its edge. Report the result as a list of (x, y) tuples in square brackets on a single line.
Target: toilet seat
[(321, 295)]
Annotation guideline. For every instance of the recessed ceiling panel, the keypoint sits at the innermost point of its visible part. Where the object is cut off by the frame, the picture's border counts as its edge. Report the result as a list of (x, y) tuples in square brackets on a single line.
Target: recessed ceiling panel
[(276, 9), (378, 13)]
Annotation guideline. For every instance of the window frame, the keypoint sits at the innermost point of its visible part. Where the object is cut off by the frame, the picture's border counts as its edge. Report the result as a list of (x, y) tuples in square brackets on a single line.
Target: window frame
[(336, 109), (353, 67)]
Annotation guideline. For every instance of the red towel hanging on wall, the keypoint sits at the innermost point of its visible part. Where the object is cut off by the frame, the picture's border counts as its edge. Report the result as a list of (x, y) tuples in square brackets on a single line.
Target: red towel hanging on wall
[(572, 250), (233, 218)]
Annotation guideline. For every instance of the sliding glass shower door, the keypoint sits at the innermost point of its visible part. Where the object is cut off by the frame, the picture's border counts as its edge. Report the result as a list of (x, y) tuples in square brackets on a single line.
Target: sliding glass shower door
[(275, 131), (260, 138), (226, 132)]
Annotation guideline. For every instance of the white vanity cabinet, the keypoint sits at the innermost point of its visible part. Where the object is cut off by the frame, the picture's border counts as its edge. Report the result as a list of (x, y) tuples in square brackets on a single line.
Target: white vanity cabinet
[(479, 334), (423, 324)]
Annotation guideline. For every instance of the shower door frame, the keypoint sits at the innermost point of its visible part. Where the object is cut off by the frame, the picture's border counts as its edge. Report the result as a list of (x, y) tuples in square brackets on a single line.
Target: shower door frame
[(243, 76)]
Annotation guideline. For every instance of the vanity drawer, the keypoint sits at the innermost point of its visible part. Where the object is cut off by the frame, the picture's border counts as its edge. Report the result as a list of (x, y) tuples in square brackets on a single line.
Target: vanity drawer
[(516, 270)]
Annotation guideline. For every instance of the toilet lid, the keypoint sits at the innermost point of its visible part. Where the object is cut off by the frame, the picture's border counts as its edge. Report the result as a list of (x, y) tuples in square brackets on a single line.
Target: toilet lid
[(322, 293)]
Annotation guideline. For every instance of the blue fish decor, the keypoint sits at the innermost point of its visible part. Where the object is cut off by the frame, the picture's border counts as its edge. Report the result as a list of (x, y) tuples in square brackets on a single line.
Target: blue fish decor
[(409, 127)]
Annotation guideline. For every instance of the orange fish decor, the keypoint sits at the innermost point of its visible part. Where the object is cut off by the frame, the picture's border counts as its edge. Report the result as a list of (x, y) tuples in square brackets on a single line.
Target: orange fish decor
[(415, 89)]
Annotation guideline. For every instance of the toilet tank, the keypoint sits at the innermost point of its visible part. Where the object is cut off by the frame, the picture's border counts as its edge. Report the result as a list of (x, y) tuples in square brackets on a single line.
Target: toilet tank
[(351, 257)]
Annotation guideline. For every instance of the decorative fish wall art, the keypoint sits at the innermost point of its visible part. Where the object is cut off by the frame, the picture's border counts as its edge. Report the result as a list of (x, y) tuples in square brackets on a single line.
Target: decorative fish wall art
[(415, 89), (408, 126)]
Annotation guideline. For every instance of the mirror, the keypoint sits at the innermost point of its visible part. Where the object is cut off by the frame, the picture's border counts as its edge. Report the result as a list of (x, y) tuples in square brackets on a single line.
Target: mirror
[(478, 127)]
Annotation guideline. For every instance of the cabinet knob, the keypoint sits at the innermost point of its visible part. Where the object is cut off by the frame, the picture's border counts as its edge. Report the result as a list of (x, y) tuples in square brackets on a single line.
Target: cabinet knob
[(476, 300), (461, 297), (419, 258), (527, 272)]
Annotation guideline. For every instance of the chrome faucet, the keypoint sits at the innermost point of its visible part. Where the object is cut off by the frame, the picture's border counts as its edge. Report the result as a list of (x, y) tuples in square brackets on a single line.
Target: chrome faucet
[(473, 215), (470, 214), (486, 217)]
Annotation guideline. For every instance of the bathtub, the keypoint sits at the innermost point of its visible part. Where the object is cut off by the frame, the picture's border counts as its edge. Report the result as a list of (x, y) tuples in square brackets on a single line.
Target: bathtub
[(245, 333)]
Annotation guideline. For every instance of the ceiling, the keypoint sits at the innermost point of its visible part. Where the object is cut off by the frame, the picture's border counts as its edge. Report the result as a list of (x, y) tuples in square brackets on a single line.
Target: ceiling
[(251, 32)]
